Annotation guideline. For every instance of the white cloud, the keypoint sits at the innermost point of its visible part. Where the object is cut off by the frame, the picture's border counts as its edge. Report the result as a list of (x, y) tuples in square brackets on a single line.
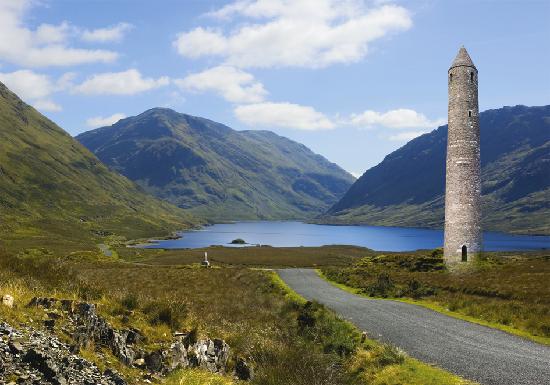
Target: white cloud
[(114, 33), (300, 117), (128, 82), (100, 121), (65, 82), (28, 84), (49, 33), (286, 115), (399, 118), (295, 33), (406, 136), (356, 174), (36, 88), (42, 47), (232, 84), (46, 105)]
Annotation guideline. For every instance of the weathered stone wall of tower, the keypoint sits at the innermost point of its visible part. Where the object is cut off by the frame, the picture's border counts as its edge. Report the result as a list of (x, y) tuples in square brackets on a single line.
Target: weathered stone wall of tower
[(463, 179)]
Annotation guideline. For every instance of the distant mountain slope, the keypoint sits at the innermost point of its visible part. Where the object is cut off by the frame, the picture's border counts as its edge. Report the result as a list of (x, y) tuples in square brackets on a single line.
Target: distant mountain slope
[(217, 172), (407, 187), (51, 187)]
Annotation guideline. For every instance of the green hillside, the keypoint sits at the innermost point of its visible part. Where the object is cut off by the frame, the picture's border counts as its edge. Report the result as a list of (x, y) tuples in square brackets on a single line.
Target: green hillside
[(217, 172), (407, 187), (53, 190)]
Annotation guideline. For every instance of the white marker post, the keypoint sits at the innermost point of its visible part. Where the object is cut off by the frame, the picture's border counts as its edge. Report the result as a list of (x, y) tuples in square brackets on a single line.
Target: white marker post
[(205, 263)]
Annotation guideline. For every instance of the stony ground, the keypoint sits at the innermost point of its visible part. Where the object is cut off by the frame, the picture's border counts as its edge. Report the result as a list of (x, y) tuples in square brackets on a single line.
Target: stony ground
[(29, 356)]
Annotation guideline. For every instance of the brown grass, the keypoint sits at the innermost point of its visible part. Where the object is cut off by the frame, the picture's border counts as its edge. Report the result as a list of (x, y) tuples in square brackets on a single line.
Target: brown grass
[(250, 256), (286, 341)]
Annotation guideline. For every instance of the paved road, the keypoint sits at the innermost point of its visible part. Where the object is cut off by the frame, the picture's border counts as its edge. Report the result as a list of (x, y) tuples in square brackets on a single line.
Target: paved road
[(472, 351)]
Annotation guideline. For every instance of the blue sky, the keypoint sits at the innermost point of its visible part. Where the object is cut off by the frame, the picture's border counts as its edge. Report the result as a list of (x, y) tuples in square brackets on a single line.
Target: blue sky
[(353, 80)]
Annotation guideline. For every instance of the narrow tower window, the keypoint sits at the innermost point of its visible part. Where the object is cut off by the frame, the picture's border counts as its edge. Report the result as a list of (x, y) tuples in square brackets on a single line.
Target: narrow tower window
[(464, 253), (451, 77), (469, 114), (471, 76)]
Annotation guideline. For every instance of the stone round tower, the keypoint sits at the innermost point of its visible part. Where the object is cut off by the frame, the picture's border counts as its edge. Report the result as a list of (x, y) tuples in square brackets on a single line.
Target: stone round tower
[(463, 237)]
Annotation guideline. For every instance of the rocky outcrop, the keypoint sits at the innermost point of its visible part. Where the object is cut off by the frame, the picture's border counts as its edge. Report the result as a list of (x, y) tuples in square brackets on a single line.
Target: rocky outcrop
[(90, 329), (29, 356)]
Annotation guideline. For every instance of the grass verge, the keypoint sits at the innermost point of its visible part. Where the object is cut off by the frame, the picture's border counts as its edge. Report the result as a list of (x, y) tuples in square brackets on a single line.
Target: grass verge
[(381, 364), (197, 377), (509, 294)]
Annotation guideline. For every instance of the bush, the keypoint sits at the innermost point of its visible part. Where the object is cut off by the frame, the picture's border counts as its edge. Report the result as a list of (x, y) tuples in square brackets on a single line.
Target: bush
[(130, 302), (416, 289), (170, 313), (389, 355), (238, 241), (383, 287), (306, 316)]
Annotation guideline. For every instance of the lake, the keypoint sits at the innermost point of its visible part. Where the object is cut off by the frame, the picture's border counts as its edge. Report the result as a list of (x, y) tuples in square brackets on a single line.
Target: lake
[(291, 234)]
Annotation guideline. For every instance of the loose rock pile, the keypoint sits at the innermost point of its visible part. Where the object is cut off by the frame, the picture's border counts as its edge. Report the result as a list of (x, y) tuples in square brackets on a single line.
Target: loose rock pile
[(29, 356), (90, 329)]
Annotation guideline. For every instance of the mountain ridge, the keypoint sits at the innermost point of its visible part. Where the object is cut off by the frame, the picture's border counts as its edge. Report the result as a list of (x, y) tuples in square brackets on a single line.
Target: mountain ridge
[(515, 177), (217, 172), (53, 189)]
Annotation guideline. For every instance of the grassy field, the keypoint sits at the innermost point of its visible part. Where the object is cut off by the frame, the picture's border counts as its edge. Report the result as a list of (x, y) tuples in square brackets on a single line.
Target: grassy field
[(264, 256), (287, 340), (509, 291)]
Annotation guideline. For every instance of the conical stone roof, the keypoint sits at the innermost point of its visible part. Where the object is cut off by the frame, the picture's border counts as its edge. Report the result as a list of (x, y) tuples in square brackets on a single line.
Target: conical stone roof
[(462, 59)]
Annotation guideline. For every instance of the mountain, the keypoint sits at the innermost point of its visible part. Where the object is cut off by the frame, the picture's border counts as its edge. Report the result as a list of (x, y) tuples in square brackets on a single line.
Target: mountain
[(407, 187), (217, 172), (52, 189)]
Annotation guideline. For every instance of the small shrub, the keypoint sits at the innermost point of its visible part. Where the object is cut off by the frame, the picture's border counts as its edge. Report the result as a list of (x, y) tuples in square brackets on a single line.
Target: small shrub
[(171, 313), (437, 253), (389, 355), (306, 316), (383, 286), (415, 289), (192, 337), (130, 302)]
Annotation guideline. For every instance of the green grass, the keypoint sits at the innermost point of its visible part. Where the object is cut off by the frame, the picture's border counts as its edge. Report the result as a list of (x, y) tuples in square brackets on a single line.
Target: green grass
[(197, 377), (289, 294), (376, 363), (55, 194), (507, 293)]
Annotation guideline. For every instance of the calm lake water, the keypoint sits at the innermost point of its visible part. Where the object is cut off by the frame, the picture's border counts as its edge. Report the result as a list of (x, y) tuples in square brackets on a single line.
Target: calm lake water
[(288, 234)]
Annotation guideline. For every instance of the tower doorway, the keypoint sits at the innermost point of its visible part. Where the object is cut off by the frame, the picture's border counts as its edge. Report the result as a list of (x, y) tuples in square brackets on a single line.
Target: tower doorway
[(464, 253)]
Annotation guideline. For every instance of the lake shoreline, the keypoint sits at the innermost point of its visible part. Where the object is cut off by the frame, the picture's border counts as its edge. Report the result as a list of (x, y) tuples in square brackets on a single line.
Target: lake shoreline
[(281, 233)]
